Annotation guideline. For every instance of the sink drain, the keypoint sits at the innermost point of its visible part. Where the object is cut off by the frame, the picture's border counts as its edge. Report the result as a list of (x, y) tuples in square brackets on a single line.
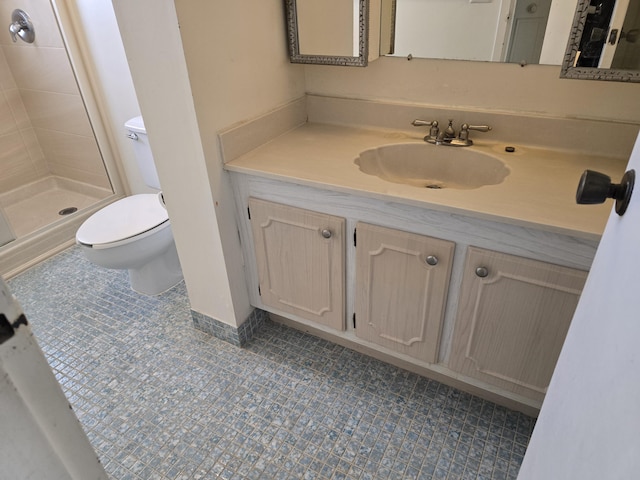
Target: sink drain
[(68, 211), (435, 186)]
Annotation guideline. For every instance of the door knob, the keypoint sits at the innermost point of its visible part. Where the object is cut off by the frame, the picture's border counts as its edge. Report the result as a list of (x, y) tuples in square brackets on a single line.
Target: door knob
[(596, 187)]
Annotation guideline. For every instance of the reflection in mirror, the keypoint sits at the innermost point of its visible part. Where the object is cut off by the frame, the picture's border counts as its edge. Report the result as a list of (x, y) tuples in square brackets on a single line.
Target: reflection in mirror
[(328, 32), (519, 31), (604, 42)]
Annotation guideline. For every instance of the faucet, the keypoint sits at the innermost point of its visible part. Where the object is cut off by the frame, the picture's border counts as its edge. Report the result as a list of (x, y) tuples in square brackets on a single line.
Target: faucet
[(448, 136), (433, 131)]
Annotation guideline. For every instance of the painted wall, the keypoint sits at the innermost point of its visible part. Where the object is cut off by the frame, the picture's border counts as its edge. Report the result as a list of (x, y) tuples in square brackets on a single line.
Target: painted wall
[(534, 89), (95, 27), (233, 66), (244, 71), (49, 101)]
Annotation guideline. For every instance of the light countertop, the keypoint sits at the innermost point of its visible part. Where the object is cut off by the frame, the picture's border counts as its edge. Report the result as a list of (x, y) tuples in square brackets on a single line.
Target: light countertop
[(539, 192)]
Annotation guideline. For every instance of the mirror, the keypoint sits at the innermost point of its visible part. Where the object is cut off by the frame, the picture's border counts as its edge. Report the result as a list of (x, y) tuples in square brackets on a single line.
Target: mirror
[(328, 32), (604, 43), (513, 31)]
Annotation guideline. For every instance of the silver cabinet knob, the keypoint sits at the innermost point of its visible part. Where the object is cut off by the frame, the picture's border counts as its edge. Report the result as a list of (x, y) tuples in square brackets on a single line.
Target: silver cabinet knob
[(482, 272), (432, 260), (326, 233)]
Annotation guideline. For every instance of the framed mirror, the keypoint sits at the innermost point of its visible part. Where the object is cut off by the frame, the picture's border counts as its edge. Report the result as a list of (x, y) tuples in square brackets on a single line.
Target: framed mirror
[(526, 32), (604, 43), (328, 32)]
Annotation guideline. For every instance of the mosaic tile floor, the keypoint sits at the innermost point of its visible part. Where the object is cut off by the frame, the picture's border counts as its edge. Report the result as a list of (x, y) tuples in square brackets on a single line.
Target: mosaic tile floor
[(161, 400)]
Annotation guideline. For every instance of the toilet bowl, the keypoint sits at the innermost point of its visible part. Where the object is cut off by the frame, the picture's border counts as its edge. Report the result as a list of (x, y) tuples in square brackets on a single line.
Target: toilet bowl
[(134, 233)]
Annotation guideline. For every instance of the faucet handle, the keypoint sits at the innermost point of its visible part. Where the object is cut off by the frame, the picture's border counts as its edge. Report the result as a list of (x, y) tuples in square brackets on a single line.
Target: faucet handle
[(463, 137), (478, 128), (433, 131), (423, 123)]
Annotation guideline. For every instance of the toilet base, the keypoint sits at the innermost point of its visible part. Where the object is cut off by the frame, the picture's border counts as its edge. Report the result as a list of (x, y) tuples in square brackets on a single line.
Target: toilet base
[(158, 275)]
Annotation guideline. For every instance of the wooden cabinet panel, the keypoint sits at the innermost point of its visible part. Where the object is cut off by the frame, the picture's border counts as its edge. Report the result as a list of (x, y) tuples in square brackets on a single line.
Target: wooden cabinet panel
[(300, 256), (400, 298), (511, 323)]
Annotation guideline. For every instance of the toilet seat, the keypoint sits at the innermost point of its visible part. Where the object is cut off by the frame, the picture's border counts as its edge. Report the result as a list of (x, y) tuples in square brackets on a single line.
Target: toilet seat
[(124, 221)]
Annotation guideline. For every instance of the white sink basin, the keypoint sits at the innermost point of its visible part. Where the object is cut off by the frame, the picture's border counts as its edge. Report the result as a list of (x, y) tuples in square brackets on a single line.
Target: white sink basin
[(432, 166)]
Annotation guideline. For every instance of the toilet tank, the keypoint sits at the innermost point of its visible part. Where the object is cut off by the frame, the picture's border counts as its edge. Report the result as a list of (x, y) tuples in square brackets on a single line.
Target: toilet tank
[(142, 151)]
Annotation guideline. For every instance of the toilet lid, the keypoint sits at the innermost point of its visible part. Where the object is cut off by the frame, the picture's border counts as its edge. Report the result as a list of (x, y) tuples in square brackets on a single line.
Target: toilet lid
[(126, 218)]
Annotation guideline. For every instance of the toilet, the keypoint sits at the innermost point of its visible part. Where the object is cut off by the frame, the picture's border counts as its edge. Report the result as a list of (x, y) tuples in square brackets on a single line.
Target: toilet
[(134, 232)]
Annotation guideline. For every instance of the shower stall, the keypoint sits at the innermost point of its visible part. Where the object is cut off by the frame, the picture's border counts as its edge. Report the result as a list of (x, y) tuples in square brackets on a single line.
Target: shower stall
[(52, 167)]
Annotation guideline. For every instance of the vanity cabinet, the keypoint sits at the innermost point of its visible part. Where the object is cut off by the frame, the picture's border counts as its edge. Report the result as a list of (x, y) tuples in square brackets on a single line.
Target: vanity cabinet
[(402, 280), (300, 258), (513, 316), (406, 287)]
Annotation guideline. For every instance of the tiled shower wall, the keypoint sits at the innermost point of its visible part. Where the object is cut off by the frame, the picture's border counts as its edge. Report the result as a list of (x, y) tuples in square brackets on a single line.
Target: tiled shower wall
[(21, 159), (44, 128)]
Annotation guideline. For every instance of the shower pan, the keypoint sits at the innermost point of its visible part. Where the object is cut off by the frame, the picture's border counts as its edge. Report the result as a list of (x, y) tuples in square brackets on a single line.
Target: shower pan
[(53, 173)]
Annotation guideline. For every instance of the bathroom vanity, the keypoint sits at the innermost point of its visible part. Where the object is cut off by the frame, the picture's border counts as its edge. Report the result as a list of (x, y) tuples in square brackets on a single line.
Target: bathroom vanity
[(475, 287)]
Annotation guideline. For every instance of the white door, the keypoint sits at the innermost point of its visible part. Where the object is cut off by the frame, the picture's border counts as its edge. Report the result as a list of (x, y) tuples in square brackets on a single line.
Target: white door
[(589, 423), (617, 19), (527, 31), (40, 436)]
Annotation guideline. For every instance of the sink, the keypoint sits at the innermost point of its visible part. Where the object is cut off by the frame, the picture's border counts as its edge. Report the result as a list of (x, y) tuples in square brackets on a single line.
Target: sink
[(430, 166)]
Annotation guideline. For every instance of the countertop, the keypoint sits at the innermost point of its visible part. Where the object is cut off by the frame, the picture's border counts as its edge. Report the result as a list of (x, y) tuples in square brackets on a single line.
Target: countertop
[(539, 192)]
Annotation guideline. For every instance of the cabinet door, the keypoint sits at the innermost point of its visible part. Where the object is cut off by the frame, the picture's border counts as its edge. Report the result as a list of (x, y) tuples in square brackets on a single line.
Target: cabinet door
[(400, 297), (300, 256), (512, 320)]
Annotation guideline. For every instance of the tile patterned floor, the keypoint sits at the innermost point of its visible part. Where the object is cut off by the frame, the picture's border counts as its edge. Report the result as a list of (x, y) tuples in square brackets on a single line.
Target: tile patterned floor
[(161, 400)]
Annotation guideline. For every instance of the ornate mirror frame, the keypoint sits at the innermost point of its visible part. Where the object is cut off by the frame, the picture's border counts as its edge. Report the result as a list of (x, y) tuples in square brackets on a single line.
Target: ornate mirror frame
[(568, 69), (294, 46)]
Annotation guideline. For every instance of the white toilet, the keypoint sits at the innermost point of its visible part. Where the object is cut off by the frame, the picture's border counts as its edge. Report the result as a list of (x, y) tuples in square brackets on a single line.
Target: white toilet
[(134, 233)]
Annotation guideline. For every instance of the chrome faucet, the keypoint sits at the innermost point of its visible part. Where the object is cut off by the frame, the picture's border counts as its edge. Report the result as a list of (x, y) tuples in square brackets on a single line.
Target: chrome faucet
[(433, 131), (448, 136)]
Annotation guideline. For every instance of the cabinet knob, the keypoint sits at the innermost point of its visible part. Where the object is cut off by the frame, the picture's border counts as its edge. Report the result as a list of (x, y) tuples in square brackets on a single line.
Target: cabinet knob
[(432, 260), (482, 272), (326, 233)]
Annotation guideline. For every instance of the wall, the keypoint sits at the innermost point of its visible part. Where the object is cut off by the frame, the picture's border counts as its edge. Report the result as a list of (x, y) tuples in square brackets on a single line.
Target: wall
[(233, 66), (21, 158), (501, 87), (97, 37), (558, 30), (326, 28), (51, 99), (243, 72)]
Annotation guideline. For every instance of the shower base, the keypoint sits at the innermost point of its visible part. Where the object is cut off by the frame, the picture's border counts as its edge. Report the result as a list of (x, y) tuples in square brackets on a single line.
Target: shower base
[(33, 211), (36, 205)]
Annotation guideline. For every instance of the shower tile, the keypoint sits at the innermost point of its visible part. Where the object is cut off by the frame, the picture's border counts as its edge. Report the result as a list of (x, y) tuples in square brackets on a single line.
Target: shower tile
[(48, 34), (15, 162), (73, 156), (57, 111), (6, 79), (160, 399), (45, 69), (20, 116), (7, 120)]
